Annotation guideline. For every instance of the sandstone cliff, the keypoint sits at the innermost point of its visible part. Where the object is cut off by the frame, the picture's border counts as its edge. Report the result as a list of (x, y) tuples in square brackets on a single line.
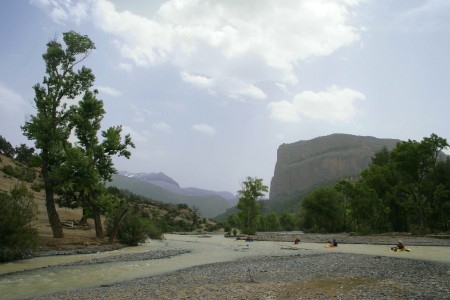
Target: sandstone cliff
[(304, 164)]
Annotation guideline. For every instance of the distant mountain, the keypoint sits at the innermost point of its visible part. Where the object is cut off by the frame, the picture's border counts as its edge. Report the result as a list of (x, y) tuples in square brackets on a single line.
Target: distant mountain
[(209, 205), (162, 180), (309, 163)]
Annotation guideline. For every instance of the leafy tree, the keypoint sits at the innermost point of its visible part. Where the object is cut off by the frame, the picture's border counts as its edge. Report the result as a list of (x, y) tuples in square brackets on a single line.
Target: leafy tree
[(287, 221), (18, 235), (50, 127), (416, 163), (323, 210), (252, 190), (272, 222), (26, 155), (5, 147), (90, 163), (381, 157)]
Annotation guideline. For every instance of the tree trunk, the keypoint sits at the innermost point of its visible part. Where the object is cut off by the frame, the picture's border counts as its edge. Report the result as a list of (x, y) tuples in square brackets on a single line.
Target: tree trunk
[(98, 223), (115, 229), (53, 216), (84, 217)]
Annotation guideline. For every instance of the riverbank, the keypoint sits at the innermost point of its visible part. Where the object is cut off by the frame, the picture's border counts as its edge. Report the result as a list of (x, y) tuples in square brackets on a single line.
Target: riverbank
[(299, 276), (222, 268)]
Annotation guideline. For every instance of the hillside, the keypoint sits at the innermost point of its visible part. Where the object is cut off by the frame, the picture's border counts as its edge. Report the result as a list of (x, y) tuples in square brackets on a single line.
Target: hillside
[(75, 237), (162, 180), (209, 206), (305, 164)]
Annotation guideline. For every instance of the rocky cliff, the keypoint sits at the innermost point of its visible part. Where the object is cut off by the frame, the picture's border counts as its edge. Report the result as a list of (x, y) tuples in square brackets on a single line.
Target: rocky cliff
[(305, 164)]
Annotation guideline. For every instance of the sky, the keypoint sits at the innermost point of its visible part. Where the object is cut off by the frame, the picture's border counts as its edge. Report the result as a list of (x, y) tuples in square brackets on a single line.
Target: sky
[(210, 89)]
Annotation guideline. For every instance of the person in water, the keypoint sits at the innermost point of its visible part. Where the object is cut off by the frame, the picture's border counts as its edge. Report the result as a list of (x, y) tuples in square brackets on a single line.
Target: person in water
[(333, 243), (400, 246)]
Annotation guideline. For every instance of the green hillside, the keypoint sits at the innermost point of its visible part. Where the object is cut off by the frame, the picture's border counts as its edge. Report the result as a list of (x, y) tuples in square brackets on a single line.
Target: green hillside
[(209, 206)]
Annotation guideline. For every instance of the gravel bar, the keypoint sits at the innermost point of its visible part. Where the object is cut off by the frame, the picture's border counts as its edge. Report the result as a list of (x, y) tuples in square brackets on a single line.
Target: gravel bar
[(308, 275)]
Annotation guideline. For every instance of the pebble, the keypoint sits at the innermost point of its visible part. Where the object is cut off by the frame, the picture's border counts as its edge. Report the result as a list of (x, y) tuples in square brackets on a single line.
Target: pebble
[(301, 276)]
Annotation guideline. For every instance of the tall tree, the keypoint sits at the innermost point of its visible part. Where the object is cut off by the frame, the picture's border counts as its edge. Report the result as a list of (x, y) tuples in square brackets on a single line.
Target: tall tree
[(50, 127), (252, 190), (92, 160), (323, 210)]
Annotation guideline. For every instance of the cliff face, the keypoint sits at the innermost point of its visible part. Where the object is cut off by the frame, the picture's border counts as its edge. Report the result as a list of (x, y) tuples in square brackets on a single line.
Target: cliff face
[(304, 164)]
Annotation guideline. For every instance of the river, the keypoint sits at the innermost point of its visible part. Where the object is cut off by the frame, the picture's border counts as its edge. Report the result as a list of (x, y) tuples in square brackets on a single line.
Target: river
[(44, 275)]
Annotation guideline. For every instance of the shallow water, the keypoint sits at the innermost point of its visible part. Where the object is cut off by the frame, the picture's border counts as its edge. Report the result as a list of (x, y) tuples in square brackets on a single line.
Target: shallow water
[(39, 281)]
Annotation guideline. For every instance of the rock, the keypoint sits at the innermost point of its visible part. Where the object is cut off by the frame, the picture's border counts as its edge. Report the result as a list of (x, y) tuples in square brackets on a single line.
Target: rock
[(305, 164)]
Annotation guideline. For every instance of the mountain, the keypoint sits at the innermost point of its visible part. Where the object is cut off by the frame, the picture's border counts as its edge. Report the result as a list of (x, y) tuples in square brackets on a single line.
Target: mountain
[(162, 180), (304, 164), (209, 205)]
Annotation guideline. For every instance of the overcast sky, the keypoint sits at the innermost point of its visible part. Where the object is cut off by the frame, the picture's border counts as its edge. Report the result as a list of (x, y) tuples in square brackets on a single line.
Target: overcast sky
[(209, 89)]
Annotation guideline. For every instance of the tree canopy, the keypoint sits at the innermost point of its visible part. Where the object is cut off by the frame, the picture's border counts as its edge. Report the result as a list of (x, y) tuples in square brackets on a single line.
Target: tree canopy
[(252, 190)]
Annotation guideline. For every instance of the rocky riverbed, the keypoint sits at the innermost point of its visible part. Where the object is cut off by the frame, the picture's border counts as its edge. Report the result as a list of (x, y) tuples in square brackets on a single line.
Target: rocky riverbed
[(299, 276), (267, 271)]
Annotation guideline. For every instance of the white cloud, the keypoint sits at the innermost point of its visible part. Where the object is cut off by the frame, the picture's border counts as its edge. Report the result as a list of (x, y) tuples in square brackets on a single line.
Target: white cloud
[(334, 105), (282, 87), (243, 89), (65, 10), (109, 91), (283, 111), (204, 128), (198, 80), (162, 126), (216, 38)]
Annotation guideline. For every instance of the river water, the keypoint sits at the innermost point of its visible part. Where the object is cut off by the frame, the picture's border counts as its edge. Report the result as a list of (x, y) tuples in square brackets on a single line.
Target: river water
[(43, 275)]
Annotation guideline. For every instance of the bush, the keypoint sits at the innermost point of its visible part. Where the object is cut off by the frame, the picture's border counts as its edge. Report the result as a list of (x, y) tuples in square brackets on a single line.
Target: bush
[(18, 236), (21, 173), (135, 229), (11, 171)]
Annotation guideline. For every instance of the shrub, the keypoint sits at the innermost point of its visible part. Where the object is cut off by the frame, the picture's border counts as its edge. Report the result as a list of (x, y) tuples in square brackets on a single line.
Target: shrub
[(37, 187), (134, 229), (18, 236), (21, 173), (11, 171)]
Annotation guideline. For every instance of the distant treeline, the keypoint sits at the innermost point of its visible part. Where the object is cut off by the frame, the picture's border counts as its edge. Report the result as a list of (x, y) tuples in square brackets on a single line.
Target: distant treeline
[(406, 189)]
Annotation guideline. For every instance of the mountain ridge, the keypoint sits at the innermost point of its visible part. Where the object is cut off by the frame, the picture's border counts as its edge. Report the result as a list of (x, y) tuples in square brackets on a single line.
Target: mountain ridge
[(162, 180), (208, 206)]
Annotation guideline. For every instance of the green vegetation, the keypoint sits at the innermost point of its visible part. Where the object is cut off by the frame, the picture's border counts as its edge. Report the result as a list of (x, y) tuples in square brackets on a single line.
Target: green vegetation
[(50, 128), (406, 189), (134, 218), (18, 236), (252, 190), (5, 147), (74, 172), (21, 173)]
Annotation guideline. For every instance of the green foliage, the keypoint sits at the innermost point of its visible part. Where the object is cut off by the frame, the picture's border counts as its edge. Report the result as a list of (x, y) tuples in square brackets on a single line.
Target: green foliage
[(6, 148), (21, 173), (18, 236), (135, 229), (252, 190), (26, 155), (11, 171), (323, 210), (51, 126), (406, 189), (269, 222), (287, 221)]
